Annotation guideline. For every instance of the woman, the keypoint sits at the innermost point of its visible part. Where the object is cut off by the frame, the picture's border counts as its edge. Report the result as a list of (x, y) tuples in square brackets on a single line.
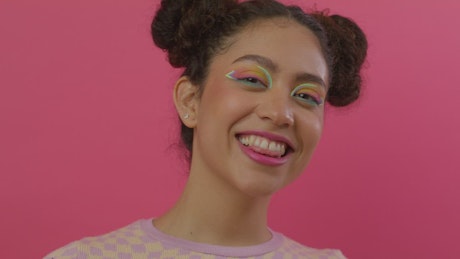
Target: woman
[(251, 102)]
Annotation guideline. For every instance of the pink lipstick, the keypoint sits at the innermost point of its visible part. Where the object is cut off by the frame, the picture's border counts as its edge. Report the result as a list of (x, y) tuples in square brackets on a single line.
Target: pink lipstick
[(263, 159), (254, 145)]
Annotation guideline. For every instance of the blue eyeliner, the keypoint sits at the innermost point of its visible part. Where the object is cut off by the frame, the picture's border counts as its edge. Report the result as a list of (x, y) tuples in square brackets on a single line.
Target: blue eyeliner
[(318, 100)]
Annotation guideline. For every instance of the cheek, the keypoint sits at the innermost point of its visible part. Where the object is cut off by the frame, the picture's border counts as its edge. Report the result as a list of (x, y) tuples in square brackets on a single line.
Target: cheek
[(317, 127), (222, 100), (311, 129)]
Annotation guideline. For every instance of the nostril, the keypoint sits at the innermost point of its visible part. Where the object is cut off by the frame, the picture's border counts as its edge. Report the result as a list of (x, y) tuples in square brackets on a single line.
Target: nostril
[(283, 118), (279, 114)]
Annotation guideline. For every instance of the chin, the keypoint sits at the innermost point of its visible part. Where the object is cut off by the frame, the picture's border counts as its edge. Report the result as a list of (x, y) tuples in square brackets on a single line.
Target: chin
[(258, 187)]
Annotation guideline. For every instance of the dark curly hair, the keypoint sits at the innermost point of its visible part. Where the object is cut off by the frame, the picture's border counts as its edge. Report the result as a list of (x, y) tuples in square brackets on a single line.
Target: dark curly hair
[(194, 31)]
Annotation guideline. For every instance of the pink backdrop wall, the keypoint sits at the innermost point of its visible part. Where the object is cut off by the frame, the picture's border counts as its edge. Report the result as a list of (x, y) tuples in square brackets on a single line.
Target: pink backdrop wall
[(86, 144)]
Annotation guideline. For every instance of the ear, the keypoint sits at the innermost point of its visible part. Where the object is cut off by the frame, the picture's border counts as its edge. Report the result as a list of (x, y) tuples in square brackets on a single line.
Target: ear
[(186, 100)]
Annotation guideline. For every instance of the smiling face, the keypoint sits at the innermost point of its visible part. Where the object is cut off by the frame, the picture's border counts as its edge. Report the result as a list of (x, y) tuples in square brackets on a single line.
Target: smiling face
[(260, 114)]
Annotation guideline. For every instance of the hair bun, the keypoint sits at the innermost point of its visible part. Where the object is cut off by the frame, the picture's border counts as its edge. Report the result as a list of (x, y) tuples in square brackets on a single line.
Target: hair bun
[(348, 46), (180, 26)]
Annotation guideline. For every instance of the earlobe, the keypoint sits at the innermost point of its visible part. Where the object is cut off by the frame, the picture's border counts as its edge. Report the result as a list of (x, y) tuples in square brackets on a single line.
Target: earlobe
[(186, 101)]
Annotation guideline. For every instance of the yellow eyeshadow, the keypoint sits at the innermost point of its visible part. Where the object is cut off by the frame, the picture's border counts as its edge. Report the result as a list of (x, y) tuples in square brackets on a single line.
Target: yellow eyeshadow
[(312, 90), (256, 72)]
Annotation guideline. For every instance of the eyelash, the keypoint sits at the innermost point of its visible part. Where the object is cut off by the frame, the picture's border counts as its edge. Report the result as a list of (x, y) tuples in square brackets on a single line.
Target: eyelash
[(255, 82), (250, 80), (312, 99)]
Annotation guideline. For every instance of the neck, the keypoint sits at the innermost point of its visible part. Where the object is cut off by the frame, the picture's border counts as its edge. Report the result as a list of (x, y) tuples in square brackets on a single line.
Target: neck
[(210, 211)]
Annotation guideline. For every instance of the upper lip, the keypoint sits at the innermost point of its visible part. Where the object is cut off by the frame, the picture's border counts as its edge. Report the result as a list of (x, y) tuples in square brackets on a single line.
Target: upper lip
[(270, 136)]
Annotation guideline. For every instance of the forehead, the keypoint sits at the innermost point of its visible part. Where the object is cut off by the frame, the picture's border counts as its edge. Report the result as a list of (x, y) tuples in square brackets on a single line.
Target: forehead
[(291, 46)]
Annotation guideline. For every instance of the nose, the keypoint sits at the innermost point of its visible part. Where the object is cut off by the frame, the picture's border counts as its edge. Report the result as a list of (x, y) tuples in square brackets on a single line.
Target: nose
[(276, 107)]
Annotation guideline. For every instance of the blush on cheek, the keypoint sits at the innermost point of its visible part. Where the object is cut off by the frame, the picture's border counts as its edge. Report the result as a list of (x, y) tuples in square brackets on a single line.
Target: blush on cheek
[(219, 97), (314, 130), (231, 98)]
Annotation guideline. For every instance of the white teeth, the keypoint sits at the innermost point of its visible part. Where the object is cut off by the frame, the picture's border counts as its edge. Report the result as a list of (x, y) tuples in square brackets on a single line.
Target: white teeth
[(263, 143), (273, 146), (256, 142), (251, 139)]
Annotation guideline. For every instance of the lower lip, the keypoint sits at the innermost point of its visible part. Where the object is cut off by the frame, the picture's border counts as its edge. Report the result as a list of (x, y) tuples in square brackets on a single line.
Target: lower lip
[(263, 159)]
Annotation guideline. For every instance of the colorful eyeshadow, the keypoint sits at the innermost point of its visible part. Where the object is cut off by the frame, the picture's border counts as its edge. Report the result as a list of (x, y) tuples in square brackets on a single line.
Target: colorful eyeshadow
[(245, 75), (310, 91)]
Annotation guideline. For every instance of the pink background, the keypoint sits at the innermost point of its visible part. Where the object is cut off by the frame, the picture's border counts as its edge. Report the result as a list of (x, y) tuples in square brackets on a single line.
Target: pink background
[(88, 132)]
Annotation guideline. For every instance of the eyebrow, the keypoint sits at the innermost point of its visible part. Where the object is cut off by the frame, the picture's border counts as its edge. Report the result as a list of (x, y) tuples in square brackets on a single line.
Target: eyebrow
[(310, 78), (265, 62), (272, 66)]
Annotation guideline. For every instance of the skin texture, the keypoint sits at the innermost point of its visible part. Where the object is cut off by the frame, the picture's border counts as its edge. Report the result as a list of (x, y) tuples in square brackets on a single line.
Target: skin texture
[(227, 195)]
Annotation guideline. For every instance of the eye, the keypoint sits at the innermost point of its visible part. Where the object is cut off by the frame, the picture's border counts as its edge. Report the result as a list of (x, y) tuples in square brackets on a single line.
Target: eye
[(308, 99), (254, 77), (252, 81), (309, 94), (247, 79)]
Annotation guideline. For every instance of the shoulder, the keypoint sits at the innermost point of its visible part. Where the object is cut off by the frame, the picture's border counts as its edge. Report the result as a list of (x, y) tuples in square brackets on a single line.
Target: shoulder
[(108, 245), (295, 249)]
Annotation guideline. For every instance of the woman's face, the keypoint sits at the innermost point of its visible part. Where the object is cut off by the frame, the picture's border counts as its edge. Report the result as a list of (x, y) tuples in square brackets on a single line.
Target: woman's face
[(260, 115)]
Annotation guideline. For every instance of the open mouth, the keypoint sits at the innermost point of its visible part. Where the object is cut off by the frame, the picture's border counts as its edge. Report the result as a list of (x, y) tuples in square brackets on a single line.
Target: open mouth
[(265, 146)]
